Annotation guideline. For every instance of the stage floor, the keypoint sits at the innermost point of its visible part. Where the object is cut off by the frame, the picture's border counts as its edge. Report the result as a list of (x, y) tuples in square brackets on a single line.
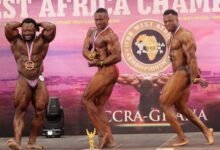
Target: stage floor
[(125, 142)]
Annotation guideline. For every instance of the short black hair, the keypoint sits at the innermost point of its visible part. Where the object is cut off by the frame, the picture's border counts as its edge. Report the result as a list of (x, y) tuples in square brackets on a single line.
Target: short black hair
[(101, 10), (170, 11), (30, 20)]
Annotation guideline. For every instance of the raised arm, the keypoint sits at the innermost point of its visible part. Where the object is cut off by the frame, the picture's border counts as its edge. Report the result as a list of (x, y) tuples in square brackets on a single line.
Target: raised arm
[(49, 30), (11, 30)]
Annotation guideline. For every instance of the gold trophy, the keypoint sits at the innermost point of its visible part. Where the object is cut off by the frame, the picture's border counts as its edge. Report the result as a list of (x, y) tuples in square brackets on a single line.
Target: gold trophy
[(92, 54), (91, 136)]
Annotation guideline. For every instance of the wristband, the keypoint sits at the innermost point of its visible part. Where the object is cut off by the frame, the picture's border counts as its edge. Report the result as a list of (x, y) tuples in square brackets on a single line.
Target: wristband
[(195, 80), (101, 63)]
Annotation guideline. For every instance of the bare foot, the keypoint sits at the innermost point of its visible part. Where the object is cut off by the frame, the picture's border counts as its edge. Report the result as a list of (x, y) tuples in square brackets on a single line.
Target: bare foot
[(34, 146), (209, 136), (13, 145), (179, 142)]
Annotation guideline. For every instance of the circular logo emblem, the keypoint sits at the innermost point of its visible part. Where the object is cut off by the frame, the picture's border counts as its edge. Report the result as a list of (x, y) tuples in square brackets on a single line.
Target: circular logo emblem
[(144, 47)]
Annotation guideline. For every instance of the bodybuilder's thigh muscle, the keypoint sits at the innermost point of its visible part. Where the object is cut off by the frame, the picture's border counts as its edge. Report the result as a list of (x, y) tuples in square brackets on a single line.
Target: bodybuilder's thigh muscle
[(98, 84), (41, 97), (175, 87), (23, 94), (106, 94), (183, 99)]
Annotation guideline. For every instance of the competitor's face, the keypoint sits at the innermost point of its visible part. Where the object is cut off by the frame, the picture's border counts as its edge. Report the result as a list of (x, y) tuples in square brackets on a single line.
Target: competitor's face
[(101, 20), (170, 22), (28, 31)]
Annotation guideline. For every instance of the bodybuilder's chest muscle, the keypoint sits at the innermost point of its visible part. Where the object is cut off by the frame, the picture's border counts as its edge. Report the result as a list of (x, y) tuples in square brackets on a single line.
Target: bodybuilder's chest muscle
[(21, 48)]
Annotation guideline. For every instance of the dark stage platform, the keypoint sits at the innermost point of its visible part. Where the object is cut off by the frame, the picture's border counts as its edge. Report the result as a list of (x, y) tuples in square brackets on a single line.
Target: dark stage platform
[(126, 142)]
